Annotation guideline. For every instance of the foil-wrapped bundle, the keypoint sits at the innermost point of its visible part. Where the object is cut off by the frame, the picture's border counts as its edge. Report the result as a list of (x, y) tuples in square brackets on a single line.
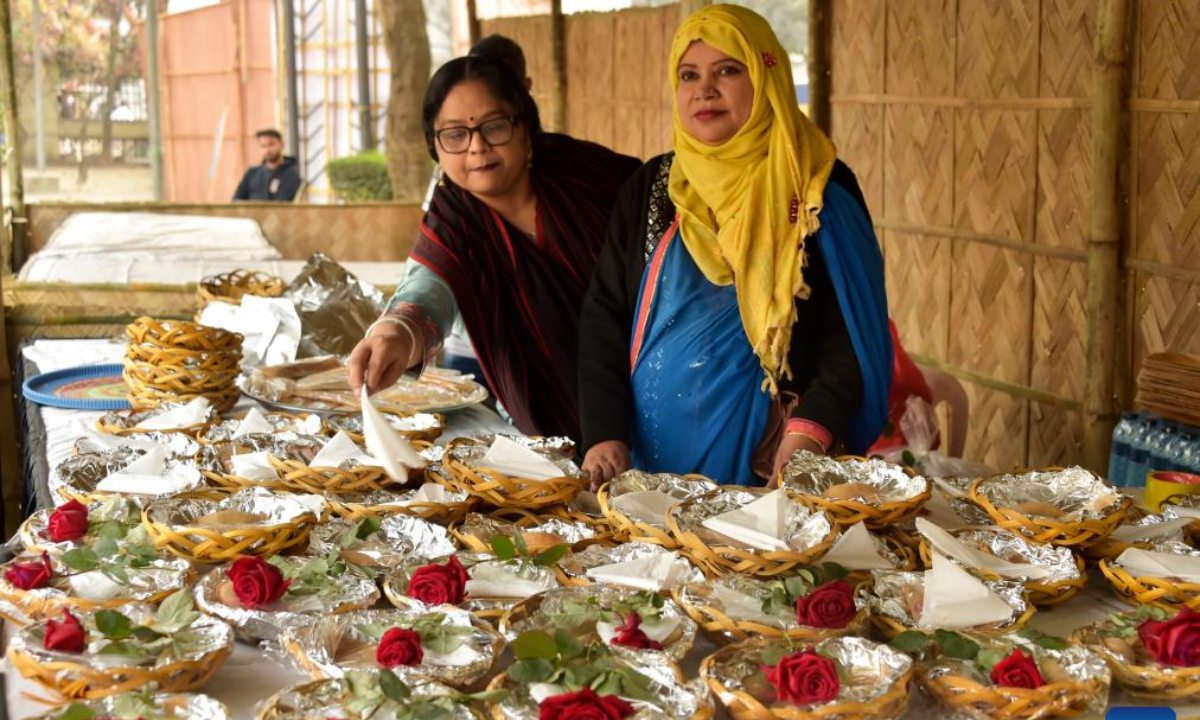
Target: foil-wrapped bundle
[(382, 543), (359, 697), (900, 596), (148, 706), (131, 420), (957, 492), (456, 648), (803, 529), (635, 494), (576, 564), (548, 533), (422, 424), (79, 475), (335, 307), (757, 601), (599, 612), (115, 516), (1008, 546), (218, 457), (247, 508), (327, 590), (493, 585), (178, 445), (1070, 494), (227, 429), (874, 482), (556, 450)]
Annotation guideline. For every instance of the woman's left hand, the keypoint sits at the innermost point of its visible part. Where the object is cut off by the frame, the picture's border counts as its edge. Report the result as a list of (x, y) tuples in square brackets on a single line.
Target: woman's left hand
[(791, 445)]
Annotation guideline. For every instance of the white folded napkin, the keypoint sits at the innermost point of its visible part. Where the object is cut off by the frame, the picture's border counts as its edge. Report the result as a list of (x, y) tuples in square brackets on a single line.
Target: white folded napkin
[(950, 546), (190, 414), (955, 599), (516, 460), (1138, 533), (462, 655), (270, 327), (655, 572), (91, 441), (648, 506), (94, 586), (254, 466), (759, 524), (391, 450), (148, 476), (429, 493), (315, 504), (657, 631), (488, 580), (740, 606), (254, 423), (856, 550), (340, 449), (1153, 563)]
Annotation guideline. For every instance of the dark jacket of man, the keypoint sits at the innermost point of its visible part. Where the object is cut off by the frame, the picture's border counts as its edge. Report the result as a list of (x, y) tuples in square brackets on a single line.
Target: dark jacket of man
[(263, 183)]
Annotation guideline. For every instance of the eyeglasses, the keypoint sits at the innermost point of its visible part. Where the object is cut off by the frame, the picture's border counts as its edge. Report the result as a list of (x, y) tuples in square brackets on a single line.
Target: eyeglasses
[(455, 140)]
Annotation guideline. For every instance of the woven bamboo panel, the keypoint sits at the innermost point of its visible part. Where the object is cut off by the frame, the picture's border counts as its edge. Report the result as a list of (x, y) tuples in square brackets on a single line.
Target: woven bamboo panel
[(920, 142), (994, 172), (1167, 316), (1169, 49), (1068, 30), (1055, 436), (856, 133), (575, 38), (1168, 188), (1059, 326), (998, 429), (997, 48), (920, 47), (857, 47), (918, 282), (1064, 173), (991, 291)]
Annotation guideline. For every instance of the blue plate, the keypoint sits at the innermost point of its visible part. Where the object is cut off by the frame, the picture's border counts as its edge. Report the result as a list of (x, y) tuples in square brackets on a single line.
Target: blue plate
[(89, 387)]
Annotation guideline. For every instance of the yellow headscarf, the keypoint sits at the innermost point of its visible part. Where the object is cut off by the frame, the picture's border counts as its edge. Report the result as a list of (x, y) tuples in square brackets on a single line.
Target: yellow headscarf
[(764, 185)]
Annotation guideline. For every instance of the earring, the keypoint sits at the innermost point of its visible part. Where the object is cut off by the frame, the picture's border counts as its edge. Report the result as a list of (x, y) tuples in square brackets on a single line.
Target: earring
[(529, 159)]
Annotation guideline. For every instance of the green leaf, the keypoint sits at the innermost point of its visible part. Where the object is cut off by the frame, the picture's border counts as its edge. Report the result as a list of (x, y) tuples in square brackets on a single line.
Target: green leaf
[(577, 676), (445, 639), (364, 691), (1051, 643), (113, 624), (518, 539), (531, 670), (550, 556), (133, 705), (176, 612), (1150, 612), (909, 459), (106, 547), (833, 572), (534, 644), (568, 646), (145, 634), (609, 683), (503, 547), (988, 659), (117, 574), (489, 696), (124, 648), (138, 536), (910, 641), (808, 576), (81, 559), (772, 655), (955, 645), (112, 530), (76, 711), (373, 631), (796, 587), (393, 688), (635, 685)]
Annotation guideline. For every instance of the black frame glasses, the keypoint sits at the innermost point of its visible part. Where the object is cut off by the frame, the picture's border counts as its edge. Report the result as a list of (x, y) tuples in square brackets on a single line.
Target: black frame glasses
[(495, 132)]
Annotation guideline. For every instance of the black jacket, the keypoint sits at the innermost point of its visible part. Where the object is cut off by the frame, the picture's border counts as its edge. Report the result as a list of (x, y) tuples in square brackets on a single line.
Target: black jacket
[(825, 369), (263, 183)]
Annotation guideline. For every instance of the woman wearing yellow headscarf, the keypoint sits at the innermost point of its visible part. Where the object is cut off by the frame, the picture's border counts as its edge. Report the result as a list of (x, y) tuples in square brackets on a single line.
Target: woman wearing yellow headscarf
[(737, 314)]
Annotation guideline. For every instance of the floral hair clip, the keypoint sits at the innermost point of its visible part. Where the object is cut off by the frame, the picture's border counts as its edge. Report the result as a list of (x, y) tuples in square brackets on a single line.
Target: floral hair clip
[(769, 59)]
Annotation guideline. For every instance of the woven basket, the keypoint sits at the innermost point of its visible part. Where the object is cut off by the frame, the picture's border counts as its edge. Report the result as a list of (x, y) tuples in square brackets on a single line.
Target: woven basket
[(111, 429), (206, 545), (77, 681), (398, 599), (170, 360), (146, 335), (1041, 594), (427, 436), (883, 516), (503, 491), (231, 287), (297, 475), (1148, 590), (296, 418), (518, 517), (495, 712), (39, 606), (1053, 700), (724, 629), (603, 528), (626, 529), (888, 628), (1072, 534), (724, 559), (439, 513), (744, 706)]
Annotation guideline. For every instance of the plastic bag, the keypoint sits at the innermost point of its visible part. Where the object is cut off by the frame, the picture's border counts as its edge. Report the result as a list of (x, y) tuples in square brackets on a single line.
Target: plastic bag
[(920, 427)]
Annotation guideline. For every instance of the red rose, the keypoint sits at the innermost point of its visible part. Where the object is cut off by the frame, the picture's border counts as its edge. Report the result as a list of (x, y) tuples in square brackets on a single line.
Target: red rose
[(68, 522), (584, 704), (30, 575), (1017, 670), (1175, 641), (399, 647), (256, 582), (829, 606), (439, 584), (631, 635), (65, 636), (804, 677)]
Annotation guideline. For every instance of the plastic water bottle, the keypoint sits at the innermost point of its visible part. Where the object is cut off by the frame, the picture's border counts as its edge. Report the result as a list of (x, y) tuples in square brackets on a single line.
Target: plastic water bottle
[(1188, 457), (1162, 437), (1174, 447), (1118, 457), (1139, 452)]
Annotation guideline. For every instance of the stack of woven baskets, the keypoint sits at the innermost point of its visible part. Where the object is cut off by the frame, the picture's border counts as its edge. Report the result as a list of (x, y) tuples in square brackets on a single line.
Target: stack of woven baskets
[(179, 361), (231, 287)]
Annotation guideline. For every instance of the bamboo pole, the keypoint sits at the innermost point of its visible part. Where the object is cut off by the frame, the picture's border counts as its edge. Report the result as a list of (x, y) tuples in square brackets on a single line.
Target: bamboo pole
[(154, 100), (473, 31), (558, 68), (10, 466), (819, 65), (12, 134), (1104, 231)]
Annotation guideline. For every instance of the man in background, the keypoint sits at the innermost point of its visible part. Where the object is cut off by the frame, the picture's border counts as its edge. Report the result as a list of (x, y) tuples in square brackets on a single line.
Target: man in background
[(277, 178)]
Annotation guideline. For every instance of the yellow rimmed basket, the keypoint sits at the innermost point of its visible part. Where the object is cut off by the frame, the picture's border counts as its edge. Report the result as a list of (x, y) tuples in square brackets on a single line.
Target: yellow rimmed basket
[(717, 560), (296, 418), (503, 491), (296, 475), (428, 436), (882, 516), (1041, 594), (175, 360), (440, 513), (724, 629), (107, 424), (1149, 590), (231, 287), (520, 518), (1063, 533), (706, 711), (1151, 682), (397, 598), (36, 606), (741, 705), (626, 529), (228, 482), (1052, 700), (207, 545), (888, 628)]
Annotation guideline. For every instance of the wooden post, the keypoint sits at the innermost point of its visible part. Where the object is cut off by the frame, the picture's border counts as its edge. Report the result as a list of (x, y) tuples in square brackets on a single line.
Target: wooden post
[(153, 100), (473, 22), (819, 70), (1104, 231), (558, 68), (10, 466)]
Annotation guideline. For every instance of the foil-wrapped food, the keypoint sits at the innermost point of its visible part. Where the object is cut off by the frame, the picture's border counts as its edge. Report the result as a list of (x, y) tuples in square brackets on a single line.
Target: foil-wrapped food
[(381, 544), (147, 706), (492, 585), (1057, 563), (802, 529), (873, 482), (359, 697), (542, 536), (557, 450), (1069, 494), (575, 565), (178, 445), (900, 596), (421, 425), (80, 475), (134, 420), (645, 497), (757, 603), (232, 428), (114, 517)]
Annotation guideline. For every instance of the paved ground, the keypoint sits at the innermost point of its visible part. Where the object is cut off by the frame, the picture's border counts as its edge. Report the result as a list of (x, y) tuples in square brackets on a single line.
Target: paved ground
[(117, 183)]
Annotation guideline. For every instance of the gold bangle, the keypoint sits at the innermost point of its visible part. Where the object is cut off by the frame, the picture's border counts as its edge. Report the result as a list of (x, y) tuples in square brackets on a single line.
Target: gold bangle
[(815, 439)]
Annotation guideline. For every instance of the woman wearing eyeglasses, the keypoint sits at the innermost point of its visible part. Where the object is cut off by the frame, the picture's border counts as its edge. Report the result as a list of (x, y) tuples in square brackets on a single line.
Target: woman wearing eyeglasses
[(509, 242)]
